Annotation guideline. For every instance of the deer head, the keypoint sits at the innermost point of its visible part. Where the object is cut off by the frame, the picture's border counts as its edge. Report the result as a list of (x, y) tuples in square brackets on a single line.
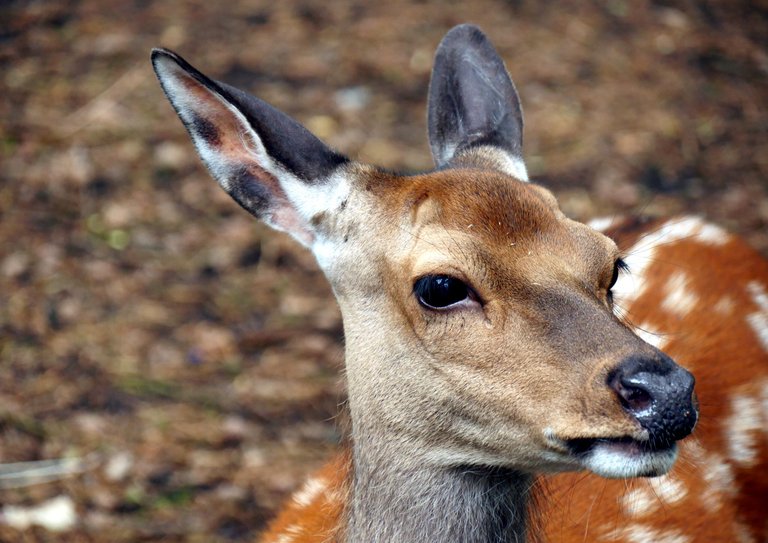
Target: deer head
[(478, 317)]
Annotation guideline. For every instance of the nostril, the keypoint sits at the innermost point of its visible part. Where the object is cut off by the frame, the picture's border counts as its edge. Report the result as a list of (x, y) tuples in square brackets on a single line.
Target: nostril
[(633, 395), (637, 399)]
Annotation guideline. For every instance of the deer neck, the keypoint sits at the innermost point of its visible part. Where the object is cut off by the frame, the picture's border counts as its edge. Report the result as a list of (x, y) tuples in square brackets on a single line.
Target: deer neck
[(408, 500), (402, 488)]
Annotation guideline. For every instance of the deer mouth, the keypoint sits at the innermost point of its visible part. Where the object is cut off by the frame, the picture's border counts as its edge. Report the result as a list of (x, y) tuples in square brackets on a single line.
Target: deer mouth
[(623, 457)]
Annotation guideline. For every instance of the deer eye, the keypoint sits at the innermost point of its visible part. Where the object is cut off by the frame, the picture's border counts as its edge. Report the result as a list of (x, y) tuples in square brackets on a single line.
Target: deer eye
[(440, 291), (618, 267)]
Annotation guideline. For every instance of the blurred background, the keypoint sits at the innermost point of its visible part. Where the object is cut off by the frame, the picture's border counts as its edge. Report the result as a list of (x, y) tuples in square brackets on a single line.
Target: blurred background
[(176, 362)]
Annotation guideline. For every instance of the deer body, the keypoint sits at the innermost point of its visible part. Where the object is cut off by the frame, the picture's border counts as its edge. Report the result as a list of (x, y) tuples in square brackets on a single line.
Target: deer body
[(481, 343)]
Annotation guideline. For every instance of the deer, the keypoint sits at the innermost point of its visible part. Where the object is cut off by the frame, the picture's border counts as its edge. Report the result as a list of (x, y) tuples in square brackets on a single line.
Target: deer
[(510, 372)]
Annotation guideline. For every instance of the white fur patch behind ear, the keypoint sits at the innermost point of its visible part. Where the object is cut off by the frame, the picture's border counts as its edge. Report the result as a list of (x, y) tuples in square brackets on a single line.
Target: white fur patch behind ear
[(328, 197), (324, 196), (488, 156), (515, 167)]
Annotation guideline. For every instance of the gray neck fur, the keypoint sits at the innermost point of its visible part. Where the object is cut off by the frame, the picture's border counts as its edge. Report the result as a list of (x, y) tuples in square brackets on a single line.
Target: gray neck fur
[(410, 503)]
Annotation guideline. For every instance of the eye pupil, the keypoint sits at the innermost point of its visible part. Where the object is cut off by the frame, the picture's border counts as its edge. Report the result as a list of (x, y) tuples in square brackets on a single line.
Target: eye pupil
[(439, 291)]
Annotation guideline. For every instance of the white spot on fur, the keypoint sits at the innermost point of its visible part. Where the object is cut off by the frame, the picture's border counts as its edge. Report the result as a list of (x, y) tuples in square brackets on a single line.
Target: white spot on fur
[(290, 533), (759, 296), (764, 404), (639, 501), (712, 234), (668, 489), (693, 449), (285, 538), (310, 491), (718, 476), (648, 498), (742, 532), (333, 496), (759, 324), (759, 319), (679, 299), (650, 336), (741, 430), (724, 305), (640, 533), (294, 529), (641, 256), (601, 224)]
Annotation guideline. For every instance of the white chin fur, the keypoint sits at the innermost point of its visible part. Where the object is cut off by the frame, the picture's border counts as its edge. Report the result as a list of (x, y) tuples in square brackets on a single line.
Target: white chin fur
[(619, 462)]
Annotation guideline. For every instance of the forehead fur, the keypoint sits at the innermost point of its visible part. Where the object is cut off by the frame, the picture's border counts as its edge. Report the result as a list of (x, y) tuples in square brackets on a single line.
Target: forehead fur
[(512, 229), (494, 206)]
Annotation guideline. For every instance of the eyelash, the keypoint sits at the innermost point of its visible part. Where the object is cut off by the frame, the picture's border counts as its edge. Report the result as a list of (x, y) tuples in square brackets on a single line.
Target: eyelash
[(618, 267)]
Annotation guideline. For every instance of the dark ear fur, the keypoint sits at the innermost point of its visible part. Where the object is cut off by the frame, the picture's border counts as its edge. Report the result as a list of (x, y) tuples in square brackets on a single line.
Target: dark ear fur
[(472, 100), (253, 150)]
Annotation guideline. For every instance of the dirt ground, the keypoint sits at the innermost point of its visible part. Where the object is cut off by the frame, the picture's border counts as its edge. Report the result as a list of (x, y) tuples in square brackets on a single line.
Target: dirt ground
[(184, 359)]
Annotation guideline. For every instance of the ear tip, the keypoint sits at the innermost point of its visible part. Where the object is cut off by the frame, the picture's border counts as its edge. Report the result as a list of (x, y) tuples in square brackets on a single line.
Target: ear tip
[(465, 29), (162, 58), (167, 62), (161, 55), (463, 34), (159, 52)]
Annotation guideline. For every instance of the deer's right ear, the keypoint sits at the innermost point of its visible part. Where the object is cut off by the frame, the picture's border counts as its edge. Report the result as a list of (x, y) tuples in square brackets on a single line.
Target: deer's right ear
[(269, 163), (473, 103)]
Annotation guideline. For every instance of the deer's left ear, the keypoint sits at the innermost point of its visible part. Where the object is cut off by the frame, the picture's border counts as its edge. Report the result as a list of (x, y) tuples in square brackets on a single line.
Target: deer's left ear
[(269, 163), (474, 112)]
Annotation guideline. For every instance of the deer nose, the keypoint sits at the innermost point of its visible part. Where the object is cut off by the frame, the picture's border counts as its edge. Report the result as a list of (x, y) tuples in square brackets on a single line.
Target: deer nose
[(659, 395)]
